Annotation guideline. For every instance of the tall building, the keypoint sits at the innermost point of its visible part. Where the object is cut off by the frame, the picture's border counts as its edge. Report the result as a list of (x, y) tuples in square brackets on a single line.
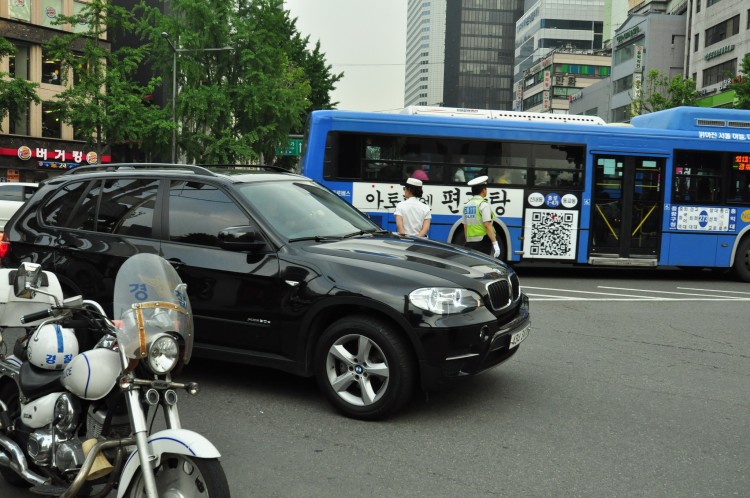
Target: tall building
[(425, 52), (576, 25), (459, 53), (479, 44), (38, 144), (719, 37)]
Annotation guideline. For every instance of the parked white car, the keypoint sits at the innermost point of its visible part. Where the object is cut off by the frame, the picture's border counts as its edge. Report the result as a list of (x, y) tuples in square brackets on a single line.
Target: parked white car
[(12, 197)]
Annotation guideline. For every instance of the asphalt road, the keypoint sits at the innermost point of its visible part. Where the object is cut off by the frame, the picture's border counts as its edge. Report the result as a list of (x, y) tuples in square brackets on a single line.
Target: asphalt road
[(631, 384)]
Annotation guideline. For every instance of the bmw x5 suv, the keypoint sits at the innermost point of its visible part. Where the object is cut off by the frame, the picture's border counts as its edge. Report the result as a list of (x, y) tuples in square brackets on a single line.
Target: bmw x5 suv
[(282, 273)]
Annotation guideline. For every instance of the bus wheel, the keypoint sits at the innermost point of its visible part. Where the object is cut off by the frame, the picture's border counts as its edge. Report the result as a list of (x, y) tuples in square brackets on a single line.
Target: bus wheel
[(742, 260)]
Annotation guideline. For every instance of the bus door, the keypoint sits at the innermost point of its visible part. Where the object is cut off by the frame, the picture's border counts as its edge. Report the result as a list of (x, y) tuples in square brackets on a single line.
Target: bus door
[(627, 206)]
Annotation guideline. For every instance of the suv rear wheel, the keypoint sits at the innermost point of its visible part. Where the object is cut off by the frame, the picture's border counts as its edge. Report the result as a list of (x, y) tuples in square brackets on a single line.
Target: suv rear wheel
[(364, 368)]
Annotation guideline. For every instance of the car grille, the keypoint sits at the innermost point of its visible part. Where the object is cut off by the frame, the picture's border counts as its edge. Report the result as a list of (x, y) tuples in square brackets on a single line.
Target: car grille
[(504, 292)]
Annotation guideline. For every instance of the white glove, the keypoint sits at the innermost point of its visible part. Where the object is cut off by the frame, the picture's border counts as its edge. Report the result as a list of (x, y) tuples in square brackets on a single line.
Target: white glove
[(495, 249)]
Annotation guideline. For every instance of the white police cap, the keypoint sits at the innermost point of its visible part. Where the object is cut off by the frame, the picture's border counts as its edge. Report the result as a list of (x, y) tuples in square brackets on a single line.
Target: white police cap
[(413, 182), (477, 181)]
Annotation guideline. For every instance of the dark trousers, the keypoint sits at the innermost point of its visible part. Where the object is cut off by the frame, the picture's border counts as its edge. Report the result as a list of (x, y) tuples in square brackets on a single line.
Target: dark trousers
[(484, 245)]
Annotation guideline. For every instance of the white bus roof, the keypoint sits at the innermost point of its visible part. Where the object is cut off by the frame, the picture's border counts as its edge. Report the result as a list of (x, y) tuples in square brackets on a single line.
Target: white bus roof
[(491, 114)]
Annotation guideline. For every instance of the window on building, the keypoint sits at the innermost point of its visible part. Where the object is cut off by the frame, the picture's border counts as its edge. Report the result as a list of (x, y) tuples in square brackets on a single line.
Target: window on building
[(711, 2), (696, 42), (51, 70), (723, 30), (20, 125), (697, 6), (51, 122), (621, 114), (81, 26), (715, 74), (19, 62), (625, 52), (20, 10), (622, 85), (50, 10)]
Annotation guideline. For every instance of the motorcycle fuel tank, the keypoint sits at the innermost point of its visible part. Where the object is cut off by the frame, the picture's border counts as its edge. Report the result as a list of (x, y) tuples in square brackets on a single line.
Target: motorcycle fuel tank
[(39, 412), (92, 374)]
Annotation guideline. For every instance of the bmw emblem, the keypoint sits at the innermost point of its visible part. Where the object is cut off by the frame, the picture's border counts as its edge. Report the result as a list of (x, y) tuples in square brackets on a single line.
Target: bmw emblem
[(358, 369)]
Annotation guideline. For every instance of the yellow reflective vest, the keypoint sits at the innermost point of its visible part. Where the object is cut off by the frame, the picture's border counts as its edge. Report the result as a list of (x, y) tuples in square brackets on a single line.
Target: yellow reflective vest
[(475, 230)]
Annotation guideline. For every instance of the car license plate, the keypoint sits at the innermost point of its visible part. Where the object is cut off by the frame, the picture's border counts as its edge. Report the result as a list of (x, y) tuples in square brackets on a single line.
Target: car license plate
[(518, 337)]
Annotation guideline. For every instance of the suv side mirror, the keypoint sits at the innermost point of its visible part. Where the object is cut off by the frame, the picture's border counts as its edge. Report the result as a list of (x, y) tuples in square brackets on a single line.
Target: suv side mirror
[(243, 238), (27, 280)]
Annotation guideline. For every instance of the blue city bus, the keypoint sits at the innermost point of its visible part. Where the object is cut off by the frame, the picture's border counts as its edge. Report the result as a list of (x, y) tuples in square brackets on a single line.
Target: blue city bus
[(670, 189)]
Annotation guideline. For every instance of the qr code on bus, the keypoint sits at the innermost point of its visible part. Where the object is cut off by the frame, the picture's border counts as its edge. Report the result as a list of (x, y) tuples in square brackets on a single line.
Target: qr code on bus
[(552, 234)]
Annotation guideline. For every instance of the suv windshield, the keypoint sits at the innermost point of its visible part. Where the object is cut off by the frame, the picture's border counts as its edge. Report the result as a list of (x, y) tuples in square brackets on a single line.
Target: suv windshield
[(304, 209)]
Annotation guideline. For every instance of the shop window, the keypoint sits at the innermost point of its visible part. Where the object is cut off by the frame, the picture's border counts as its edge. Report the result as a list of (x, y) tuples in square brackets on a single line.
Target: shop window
[(81, 26), (50, 10), (51, 70), (51, 122), (20, 9), (19, 62), (20, 125)]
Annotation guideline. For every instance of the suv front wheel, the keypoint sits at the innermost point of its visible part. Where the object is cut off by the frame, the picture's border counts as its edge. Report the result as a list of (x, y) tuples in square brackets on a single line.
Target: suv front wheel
[(364, 368)]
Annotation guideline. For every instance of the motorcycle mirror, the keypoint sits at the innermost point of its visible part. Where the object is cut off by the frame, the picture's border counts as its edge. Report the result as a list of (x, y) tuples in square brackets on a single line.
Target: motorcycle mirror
[(28, 278)]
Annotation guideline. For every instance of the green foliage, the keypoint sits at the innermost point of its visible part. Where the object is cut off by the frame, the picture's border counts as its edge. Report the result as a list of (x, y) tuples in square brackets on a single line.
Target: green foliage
[(741, 85), (660, 92), (106, 104), (16, 95), (239, 105)]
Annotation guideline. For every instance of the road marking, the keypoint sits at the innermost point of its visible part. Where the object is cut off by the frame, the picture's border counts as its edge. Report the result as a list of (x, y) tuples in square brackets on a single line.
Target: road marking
[(703, 295), (714, 290), (553, 294)]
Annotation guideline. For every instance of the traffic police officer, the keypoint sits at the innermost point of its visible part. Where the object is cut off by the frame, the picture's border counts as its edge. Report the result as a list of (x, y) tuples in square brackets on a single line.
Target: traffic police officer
[(478, 216)]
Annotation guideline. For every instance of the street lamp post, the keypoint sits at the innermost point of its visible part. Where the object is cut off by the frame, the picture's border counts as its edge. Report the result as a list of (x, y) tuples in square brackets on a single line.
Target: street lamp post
[(176, 51)]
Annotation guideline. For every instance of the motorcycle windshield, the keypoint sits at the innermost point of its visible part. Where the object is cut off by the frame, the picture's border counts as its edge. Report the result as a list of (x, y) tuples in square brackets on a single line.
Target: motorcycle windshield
[(150, 300)]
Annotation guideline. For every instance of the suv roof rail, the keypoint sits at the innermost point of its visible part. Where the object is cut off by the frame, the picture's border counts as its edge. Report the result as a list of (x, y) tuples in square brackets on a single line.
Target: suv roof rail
[(246, 167), (141, 166)]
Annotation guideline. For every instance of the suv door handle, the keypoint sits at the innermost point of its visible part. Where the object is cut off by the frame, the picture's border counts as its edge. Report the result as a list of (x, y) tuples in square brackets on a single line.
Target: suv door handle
[(176, 263)]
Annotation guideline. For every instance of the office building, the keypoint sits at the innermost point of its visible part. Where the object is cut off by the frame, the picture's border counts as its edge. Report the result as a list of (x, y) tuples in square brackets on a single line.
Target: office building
[(460, 52), (39, 144), (719, 37)]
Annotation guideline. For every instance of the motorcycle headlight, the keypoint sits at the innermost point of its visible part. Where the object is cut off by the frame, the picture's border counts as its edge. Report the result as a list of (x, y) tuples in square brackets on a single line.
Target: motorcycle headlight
[(445, 300), (66, 413), (163, 354)]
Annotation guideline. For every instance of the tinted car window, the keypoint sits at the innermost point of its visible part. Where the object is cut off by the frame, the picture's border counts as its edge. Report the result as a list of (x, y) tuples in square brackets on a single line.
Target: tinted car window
[(58, 209), (127, 207), (198, 212), (304, 209)]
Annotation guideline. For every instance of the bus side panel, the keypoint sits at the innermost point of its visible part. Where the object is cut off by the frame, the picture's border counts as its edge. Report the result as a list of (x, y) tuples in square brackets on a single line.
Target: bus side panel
[(691, 249)]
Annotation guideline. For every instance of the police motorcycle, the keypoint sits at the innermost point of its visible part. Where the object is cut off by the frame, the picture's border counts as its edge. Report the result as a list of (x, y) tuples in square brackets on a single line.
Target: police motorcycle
[(75, 423)]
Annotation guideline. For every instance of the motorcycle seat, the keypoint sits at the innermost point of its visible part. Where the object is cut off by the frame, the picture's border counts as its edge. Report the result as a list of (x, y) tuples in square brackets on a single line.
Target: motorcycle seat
[(36, 382)]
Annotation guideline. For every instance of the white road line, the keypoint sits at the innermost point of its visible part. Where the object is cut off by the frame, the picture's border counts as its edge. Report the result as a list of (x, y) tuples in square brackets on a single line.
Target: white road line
[(543, 294), (715, 290), (533, 297), (643, 298), (730, 298)]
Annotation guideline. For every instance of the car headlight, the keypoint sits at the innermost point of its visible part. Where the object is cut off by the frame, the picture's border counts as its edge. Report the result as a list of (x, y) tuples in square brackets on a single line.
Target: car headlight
[(163, 354), (445, 300)]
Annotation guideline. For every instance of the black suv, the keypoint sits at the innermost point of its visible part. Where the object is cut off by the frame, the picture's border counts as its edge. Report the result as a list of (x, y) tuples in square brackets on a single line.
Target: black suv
[(283, 273)]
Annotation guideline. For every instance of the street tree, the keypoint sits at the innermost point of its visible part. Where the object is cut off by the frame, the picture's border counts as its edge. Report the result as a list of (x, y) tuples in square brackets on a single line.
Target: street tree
[(236, 105), (741, 85), (16, 94), (103, 100), (662, 92)]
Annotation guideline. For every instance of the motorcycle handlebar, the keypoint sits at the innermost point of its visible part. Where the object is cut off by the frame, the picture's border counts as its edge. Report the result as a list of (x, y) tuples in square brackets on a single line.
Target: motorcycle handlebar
[(39, 315)]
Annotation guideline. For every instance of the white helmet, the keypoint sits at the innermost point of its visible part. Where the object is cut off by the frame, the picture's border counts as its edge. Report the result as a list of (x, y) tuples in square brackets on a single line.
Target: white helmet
[(52, 347)]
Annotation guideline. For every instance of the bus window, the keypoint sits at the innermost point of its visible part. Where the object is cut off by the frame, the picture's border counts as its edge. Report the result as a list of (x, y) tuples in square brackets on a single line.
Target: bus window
[(698, 176)]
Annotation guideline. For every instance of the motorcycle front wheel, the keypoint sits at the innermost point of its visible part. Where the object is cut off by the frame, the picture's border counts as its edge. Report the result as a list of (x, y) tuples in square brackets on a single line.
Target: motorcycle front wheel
[(184, 476)]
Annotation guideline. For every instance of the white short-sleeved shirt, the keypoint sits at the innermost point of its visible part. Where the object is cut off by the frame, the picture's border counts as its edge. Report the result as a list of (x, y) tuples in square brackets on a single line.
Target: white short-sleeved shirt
[(414, 212)]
